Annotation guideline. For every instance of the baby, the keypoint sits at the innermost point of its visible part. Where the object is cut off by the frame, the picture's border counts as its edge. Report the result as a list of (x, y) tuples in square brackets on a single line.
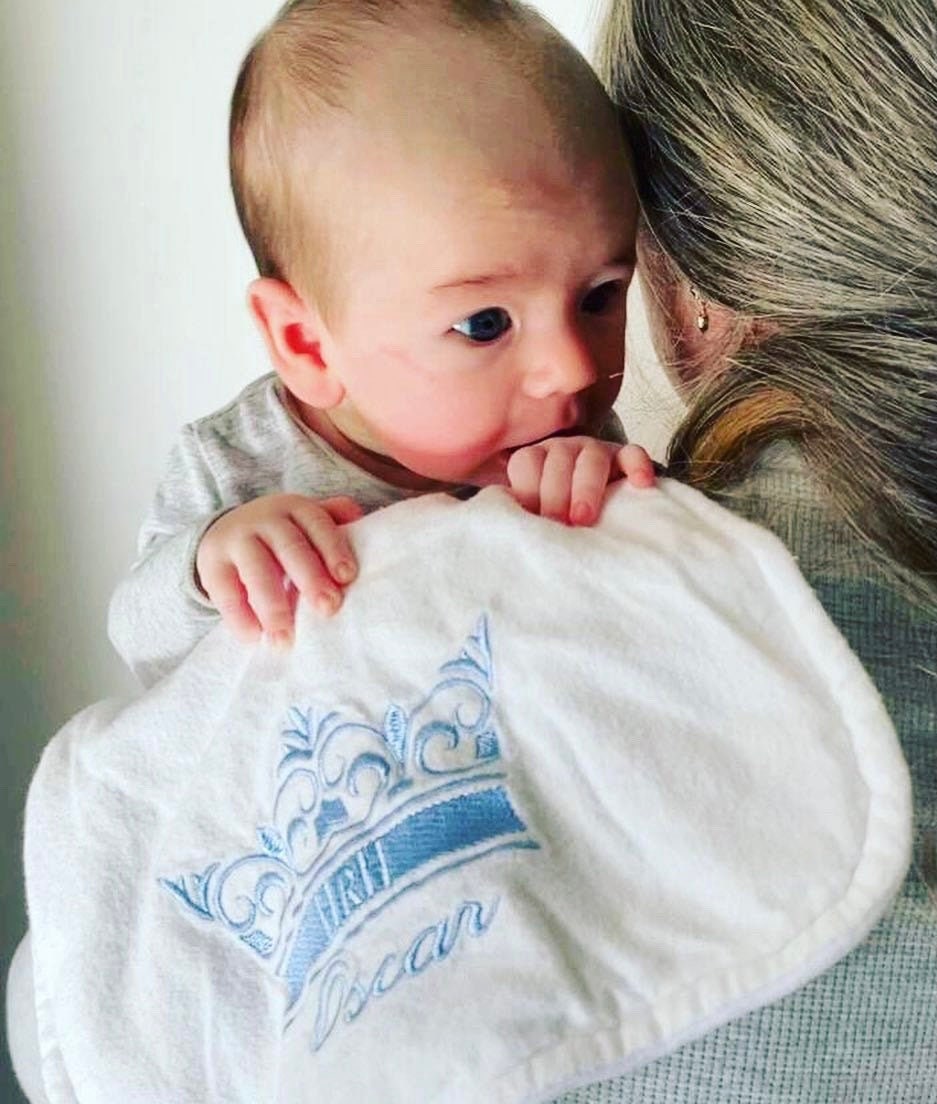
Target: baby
[(439, 202)]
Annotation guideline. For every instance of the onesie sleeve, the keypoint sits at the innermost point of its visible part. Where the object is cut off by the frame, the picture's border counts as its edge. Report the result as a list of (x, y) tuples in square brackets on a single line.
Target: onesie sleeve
[(157, 613)]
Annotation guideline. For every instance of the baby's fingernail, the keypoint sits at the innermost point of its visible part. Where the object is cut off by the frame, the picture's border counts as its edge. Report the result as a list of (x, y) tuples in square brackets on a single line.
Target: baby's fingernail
[(327, 602), (344, 572), (581, 514), (281, 641)]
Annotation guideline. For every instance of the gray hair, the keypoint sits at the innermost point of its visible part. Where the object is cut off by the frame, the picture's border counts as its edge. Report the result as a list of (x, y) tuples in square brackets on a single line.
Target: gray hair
[(786, 156)]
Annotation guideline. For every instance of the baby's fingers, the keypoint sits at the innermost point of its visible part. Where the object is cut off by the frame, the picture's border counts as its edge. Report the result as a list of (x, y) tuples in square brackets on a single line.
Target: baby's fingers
[(224, 589), (636, 466), (525, 471), (589, 479), (320, 525), (556, 482), (341, 509), (261, 576), (303, 567)]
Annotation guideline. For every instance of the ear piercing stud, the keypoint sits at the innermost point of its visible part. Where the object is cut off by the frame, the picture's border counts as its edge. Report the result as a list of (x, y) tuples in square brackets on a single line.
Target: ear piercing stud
[(702, 314)]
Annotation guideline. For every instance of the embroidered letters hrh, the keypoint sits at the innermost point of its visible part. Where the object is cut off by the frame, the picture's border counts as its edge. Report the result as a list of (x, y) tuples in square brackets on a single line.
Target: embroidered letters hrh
[(360, 814)]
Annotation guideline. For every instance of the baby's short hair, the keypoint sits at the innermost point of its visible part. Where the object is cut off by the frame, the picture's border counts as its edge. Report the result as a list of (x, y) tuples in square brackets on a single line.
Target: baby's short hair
[(300, 71)]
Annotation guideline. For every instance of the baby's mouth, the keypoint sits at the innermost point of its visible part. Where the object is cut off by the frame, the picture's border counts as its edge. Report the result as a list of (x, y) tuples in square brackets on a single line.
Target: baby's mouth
[(574, 431), (501, 460), (578, 422), (577, 430)]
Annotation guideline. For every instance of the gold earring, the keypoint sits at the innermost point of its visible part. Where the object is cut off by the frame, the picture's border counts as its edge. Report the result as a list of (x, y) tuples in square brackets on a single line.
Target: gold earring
[(702, 314)]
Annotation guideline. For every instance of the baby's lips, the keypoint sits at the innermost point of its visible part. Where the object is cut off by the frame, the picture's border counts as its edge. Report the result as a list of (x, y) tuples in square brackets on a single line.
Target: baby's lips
[(569, 431)]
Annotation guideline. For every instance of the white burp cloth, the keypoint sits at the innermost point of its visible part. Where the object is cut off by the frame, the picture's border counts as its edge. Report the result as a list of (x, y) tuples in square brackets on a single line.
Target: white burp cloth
[(538, 805)]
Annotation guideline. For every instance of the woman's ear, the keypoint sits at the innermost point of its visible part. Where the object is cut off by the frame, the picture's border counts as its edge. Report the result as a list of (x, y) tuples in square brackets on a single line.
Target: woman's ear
[(292, 332)]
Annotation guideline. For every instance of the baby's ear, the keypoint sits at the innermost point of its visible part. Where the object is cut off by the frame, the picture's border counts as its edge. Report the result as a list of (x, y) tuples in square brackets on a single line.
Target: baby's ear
[(293, 332)]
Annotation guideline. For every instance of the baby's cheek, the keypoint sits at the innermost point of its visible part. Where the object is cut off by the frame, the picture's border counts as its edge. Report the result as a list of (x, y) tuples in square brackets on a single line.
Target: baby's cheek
[(443, 443), (440, 419), (438, 454), (436, 422)]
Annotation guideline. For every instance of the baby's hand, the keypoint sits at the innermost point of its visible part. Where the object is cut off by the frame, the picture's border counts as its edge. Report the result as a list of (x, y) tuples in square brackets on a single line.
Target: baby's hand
[(247, 558), (564, 478)]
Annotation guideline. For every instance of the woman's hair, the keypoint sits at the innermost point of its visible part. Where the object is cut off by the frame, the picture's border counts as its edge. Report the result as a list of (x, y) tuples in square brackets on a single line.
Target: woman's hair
[(786, 153)]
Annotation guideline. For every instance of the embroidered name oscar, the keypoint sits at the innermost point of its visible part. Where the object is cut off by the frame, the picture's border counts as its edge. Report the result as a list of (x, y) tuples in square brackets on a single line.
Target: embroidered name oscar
[(344, 990)]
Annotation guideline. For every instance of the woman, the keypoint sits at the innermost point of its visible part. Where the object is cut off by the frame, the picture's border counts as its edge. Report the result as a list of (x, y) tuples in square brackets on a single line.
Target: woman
[(786, 152)]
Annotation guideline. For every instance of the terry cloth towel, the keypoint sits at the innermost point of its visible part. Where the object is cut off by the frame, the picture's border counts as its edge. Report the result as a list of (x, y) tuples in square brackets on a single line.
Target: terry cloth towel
[(538, 805)]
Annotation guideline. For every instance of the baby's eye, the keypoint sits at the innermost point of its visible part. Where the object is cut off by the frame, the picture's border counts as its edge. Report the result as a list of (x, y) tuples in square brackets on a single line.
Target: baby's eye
[(485, 325), (602, 297)]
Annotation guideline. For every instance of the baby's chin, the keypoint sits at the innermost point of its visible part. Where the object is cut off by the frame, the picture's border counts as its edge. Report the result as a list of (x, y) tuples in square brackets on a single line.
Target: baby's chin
[(450, 472), (491, 472)]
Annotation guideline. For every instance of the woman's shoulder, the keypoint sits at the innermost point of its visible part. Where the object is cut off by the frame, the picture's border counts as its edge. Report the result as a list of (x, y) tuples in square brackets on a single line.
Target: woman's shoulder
[(892, 632), (781, 493)]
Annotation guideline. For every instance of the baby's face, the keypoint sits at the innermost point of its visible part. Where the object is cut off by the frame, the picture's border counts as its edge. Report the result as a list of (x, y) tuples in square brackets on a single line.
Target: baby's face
[(484, 269), (479, 315)]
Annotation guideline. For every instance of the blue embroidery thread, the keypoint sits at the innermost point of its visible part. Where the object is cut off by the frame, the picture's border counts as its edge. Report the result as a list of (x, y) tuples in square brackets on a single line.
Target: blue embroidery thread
[(343, 995), (362, 814)]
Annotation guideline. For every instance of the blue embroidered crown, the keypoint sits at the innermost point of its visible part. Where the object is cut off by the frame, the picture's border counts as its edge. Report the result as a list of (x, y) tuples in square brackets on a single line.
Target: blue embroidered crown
[(361, 813)]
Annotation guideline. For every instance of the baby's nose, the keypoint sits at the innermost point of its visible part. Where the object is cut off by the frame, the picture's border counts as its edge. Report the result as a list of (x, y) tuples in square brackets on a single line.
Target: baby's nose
[(567, 366)]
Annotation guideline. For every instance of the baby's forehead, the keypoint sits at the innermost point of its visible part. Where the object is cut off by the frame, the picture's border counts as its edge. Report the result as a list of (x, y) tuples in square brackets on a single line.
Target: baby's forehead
[(429, 85), (460, 209), (421, 145), (480, 86), (439, 98), (463, 172)]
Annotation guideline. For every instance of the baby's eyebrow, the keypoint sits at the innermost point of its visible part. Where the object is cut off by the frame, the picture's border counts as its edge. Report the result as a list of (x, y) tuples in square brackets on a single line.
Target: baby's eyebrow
[(505, 275), (500, 276)]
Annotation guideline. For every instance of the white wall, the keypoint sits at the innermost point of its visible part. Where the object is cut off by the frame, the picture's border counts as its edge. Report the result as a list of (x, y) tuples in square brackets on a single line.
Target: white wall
[(122, 274)]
